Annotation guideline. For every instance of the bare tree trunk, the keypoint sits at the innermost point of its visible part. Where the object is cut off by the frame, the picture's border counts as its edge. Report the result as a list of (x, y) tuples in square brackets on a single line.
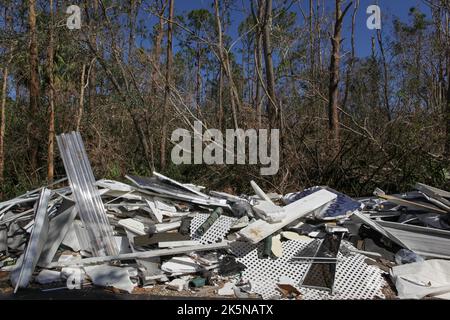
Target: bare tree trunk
[(169, 58), (51, 100), (352, 57), (258, 61), (220, 98), (447, 53), (131, 39), (92, 92), (34, 88), (447, 114), (4, 93), (2, 127), (385, 77), (270, 77), (198, 81), (157, 51), (333, 97), (81, 99), (319, 37), (225, 61), (311, 39)]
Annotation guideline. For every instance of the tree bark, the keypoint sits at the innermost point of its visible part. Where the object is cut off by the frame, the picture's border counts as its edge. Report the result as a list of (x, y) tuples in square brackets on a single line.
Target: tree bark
[(34, 88), (51, 100), (157, 52), (385, 77), (311, 39), (220, 98), (270, 77), (258, 61), (352, 57), (81, 99), (198, 81), (225, 61), (92, 87), (4, 93), (447, 54), (333, 88), (169, 58), (2, 126)]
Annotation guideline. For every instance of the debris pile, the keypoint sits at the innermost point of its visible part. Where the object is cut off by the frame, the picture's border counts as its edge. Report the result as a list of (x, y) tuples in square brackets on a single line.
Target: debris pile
[(157, 232)]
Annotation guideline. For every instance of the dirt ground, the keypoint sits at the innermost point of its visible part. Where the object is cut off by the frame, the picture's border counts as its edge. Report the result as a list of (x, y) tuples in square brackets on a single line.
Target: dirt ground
[(158, 292)]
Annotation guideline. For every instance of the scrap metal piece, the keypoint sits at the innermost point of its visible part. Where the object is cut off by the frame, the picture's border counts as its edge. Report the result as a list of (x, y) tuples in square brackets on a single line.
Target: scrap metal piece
[(58, 228), (377, 227), (427, 242), (155, 187), (21, 275), (182, 186), (88, 202), (434, 195), (140, 255)]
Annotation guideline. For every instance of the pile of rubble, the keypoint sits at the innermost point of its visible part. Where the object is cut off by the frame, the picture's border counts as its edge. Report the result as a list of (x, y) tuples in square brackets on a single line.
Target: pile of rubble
[(314, 244)]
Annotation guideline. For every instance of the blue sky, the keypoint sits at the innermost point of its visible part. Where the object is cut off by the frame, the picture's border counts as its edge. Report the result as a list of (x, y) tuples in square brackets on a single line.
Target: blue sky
[(389, 10)]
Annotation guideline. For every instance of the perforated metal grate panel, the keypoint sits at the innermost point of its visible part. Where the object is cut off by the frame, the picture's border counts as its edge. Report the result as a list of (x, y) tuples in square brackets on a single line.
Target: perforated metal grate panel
[(216, 232), (354, 278)]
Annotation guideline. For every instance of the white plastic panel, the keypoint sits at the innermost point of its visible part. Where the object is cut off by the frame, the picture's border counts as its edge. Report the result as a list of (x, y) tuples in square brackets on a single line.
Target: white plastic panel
[(216, 232), (354, 278)]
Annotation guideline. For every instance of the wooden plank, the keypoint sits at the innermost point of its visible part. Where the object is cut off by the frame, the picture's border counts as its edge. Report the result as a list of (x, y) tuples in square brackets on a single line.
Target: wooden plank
[(406, 203), (260, 229)]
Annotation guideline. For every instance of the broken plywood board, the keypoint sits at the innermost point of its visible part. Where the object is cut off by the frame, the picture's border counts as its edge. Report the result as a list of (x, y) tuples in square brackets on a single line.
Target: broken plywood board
[(260, 229)]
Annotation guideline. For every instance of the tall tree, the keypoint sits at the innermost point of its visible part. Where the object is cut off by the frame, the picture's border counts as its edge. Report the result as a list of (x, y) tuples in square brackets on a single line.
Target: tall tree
[(446, 19), (169, 61), (333, 88), (4, 93), (258, 17), (51, 99), (270, 76), (92, 83), (34, 87), (226, 65)]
